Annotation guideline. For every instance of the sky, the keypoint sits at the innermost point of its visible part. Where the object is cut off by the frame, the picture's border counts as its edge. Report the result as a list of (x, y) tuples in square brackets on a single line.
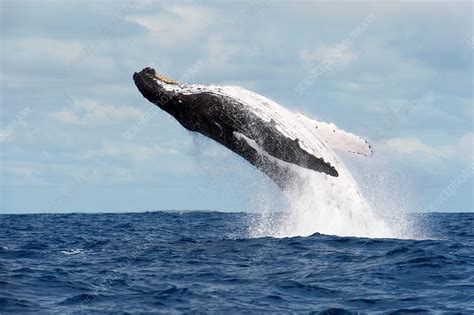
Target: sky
[(76, 135)]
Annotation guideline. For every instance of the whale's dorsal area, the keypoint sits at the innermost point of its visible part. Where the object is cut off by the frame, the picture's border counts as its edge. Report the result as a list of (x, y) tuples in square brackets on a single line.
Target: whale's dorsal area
[(253, 126)]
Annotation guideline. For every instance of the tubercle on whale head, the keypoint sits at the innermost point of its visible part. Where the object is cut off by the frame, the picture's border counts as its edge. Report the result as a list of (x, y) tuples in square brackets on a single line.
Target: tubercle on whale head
[(165, 79), (153, 74), (151, 85)]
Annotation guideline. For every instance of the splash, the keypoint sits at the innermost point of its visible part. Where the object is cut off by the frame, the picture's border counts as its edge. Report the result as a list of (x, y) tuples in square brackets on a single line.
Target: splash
[(334, 206)]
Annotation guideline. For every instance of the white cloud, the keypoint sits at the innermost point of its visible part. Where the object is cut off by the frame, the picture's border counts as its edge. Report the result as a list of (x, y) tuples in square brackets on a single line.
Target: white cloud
[(461, 150), (313, 57), (115, 173), (22, 173), (350, 86), (161, 149), (178, 23), (19, 50), (128, 150), (88, 112), (407, 146)]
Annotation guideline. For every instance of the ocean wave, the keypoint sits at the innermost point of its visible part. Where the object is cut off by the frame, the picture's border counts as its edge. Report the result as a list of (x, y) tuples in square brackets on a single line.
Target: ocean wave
[(208, 262)]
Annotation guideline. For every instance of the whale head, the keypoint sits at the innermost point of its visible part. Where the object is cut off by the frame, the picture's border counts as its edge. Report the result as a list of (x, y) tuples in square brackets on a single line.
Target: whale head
[(152, 86)]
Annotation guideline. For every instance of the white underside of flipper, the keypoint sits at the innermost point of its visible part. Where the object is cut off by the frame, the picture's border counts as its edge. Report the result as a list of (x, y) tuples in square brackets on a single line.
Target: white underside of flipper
[(335, 138)]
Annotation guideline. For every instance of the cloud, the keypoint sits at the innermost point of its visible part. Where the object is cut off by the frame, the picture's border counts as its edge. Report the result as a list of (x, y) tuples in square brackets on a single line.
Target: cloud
[(411, 146), (313, 57), (128, 150), (463, 149), (407, 146), (113, 173), (67, 22), (468, 141), (51, 56), (22, 173), (178, 23), (89, 112), (350, 86)]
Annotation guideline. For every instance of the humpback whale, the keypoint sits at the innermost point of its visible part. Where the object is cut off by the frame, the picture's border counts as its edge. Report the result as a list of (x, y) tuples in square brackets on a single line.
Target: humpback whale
[(267, 135)]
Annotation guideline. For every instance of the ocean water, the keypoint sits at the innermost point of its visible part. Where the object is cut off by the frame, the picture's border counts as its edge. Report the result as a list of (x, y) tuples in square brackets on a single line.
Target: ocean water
[(208, 262)]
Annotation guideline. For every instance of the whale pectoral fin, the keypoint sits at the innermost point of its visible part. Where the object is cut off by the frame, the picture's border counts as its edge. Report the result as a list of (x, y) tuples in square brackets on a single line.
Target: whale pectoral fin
[(276, 169), (279, 147), (336, 138)]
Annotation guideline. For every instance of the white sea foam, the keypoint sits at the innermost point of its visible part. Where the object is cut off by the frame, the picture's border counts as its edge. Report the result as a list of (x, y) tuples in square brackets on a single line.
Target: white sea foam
[(329, 205), (72, 251)]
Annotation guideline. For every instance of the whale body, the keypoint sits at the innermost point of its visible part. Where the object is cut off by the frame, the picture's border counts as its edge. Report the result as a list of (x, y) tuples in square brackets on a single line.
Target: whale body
[(267, 135)]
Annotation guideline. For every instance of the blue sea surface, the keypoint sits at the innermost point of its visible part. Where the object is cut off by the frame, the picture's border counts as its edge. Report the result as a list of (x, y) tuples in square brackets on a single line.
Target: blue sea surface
[(203, 262)]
